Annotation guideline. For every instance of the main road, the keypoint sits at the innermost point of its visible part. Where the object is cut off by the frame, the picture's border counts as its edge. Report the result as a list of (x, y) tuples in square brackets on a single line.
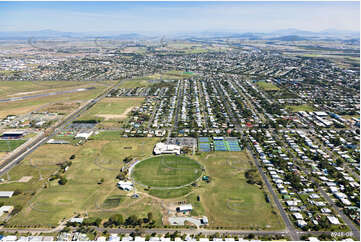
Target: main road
[(290, 228)]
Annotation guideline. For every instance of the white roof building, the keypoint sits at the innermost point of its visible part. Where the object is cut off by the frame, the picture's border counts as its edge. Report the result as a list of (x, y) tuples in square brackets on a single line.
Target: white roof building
[(185, 208), (9, 238), (162, 148), (313, 239), (291, 203), (298, 216), (125, 185), (325, 210), (6, 209), (6, 194), (301, 223), (345, 201), (84, 135), (76, 220), (102, 239), (114, 237), (333, 220)]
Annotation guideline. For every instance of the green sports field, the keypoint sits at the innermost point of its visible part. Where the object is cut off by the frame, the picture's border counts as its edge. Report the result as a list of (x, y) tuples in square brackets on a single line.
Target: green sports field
[(267, 86), (228, 200), (96, 159), (9, 145), (167, 171), (303, 107)]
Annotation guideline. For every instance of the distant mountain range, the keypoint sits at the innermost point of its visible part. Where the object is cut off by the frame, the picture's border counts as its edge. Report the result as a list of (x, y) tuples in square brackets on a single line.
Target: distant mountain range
[(279, 35), (46, 34)]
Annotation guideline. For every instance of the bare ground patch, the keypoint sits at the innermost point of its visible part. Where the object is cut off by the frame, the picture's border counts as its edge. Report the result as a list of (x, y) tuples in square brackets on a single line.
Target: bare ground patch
[(116, 116), (25, 179)]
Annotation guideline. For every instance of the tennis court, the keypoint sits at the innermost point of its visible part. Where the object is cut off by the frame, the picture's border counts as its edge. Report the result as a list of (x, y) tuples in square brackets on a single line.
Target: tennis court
[(224, 145), (204, 144)]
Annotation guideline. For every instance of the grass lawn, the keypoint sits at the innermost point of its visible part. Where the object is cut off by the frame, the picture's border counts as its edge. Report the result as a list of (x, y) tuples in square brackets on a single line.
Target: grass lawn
[(171, 75), (167, 171), (137, 82), (170, 193), (9, 145), (267, 86), (113, 201), (106, 135), (139, 207), (94, 160), (228, 200), (39, 165), (351, 116), (303, 107), (112, 108), (2, 154), (144, 81)]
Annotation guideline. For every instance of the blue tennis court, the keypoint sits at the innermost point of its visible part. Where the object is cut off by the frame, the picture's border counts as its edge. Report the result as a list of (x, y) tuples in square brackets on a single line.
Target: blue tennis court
[(204, 144), (203, 140), (226, 145)]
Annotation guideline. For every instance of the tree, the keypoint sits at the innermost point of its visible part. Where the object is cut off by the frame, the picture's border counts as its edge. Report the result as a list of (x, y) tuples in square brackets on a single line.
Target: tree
[(122, 176), (17, 192), (250, 236), (65, 230), (132, 220), (150, 216), (127, 159), (116, 219), (94, 221), (16, 209), (101, 181), (62, 181)]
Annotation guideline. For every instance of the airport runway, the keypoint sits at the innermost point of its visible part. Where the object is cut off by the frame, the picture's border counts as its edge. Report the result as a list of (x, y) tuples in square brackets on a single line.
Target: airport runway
[(12, 99)]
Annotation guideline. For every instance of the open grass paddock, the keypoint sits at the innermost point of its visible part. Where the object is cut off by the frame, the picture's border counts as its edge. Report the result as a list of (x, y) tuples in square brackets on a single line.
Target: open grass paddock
[(82, 193), (9, 145), (267, 86), (40, 103), (112, 108), (303, 107), (228, 200), (168, 171)]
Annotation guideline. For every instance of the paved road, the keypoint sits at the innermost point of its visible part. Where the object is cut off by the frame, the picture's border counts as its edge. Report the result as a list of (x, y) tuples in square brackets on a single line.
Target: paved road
[(163, 231), (228, 108), (176, 111), (291, 230)]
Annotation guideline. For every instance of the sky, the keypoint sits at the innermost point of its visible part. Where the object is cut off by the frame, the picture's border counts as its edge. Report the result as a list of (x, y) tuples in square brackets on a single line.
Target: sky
[(176, 17)]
